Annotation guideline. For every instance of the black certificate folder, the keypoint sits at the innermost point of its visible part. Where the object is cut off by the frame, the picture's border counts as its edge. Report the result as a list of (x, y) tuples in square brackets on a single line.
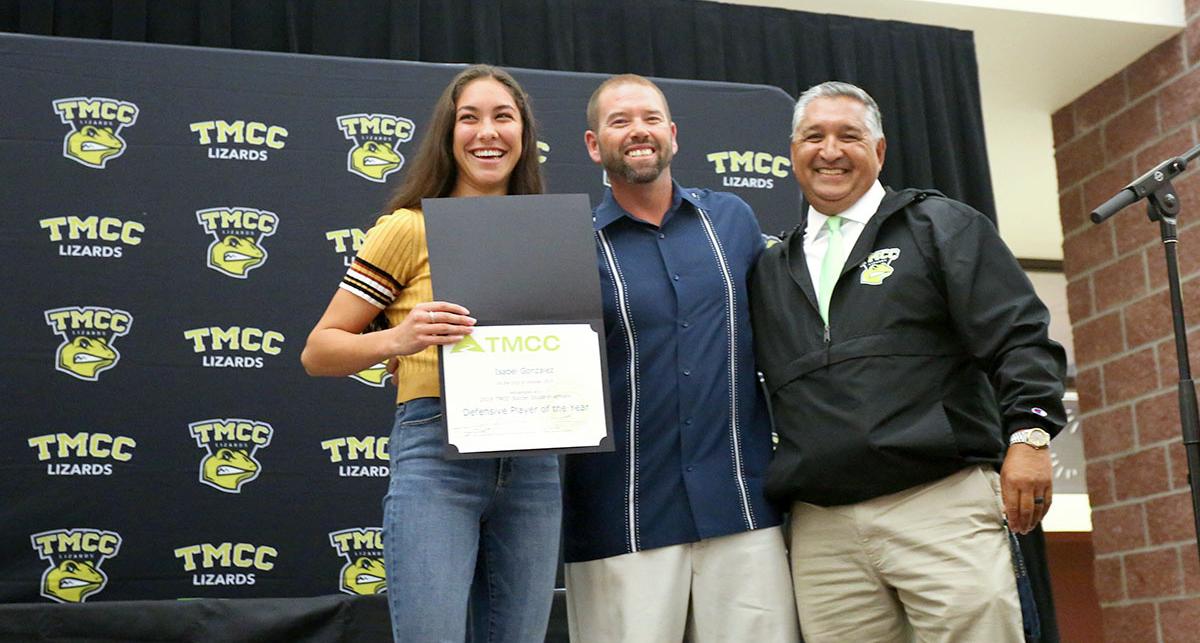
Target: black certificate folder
[(533, 377), (515, 257)]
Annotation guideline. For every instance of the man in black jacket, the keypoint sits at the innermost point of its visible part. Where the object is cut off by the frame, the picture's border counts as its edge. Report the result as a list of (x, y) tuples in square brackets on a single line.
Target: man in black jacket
[(907, 357)]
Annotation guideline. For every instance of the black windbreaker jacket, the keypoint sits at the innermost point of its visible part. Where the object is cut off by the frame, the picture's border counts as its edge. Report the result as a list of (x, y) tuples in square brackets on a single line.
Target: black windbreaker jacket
[(936, 351)]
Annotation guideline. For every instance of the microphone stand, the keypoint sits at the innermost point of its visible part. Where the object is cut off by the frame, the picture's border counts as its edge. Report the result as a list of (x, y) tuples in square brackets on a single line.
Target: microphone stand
[(1163, 206)]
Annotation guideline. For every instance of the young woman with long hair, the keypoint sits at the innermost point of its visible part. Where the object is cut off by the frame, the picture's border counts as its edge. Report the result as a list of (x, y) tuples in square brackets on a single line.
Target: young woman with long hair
[(467, 543)]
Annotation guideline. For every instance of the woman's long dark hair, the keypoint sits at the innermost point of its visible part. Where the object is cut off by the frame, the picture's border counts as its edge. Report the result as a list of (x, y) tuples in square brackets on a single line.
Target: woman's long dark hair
[(433, 172)]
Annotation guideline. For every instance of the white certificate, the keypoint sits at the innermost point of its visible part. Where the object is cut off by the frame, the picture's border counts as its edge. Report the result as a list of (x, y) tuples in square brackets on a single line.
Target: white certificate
[(525, 388)]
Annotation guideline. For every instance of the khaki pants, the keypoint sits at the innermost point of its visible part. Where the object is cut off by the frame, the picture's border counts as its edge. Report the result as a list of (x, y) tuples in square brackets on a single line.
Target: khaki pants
[(729, 589), (930, 563)]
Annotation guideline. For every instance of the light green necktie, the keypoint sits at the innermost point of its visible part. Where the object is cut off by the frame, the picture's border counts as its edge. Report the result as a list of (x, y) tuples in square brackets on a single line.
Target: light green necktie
[(831, 265)]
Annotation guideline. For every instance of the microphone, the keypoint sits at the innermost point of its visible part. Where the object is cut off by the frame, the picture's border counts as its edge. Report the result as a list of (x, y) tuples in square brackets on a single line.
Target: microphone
[(1144, 185)]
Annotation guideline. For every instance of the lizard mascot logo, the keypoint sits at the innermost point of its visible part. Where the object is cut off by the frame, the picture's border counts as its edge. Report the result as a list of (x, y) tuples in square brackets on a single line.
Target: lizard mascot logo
[(238, 234), (74, 557), (376, 138), (229, 446), (96, 123), (363, 574), (878, 266), (88, 333), (376, 375)]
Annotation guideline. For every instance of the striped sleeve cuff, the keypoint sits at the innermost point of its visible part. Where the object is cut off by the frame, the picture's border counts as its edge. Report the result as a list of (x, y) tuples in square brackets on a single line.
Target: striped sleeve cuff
[(368, 282)]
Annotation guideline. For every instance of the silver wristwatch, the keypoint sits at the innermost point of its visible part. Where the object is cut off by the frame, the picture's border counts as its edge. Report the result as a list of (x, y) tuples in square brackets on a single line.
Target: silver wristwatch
[(1036, 438)]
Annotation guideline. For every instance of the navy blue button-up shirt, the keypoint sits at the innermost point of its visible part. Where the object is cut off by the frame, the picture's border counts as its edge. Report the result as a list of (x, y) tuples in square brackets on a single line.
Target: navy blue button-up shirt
[(691, 430)]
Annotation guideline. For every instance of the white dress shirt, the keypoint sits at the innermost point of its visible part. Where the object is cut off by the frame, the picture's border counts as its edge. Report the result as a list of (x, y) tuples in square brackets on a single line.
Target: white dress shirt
[(854, 219)]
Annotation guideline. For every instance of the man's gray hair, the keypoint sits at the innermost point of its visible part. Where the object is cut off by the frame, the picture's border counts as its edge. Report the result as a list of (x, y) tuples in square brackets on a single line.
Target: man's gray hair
[(837, 89)]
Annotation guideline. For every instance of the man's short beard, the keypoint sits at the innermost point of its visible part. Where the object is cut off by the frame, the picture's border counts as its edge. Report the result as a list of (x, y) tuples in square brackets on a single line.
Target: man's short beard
[(615, 165)]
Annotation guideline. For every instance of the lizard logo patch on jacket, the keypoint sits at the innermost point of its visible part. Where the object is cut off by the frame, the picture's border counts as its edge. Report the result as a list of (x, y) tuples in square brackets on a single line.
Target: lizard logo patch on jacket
[(878, 266)]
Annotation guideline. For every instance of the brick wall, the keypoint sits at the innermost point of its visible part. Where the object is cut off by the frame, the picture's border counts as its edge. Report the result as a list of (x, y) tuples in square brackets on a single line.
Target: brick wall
[(1147, 574)]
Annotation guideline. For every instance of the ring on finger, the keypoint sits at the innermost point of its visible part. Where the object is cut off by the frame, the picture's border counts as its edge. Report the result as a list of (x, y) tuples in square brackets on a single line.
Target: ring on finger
[(432, 319), (1039, 500)]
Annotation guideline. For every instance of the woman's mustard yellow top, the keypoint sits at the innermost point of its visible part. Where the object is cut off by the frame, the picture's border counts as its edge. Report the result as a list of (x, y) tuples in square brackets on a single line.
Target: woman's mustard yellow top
[(391, 272)]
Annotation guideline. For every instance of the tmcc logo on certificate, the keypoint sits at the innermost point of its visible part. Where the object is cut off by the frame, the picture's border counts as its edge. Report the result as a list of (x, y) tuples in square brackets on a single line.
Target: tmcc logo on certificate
[(508, 344), (524, 387)]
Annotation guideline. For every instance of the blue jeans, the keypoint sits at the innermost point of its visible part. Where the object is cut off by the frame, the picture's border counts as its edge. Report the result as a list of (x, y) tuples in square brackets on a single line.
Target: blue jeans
[(467, 540)]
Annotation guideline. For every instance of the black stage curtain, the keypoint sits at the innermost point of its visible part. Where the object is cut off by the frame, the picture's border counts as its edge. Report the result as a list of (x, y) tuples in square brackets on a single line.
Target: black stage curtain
[(925, 78)]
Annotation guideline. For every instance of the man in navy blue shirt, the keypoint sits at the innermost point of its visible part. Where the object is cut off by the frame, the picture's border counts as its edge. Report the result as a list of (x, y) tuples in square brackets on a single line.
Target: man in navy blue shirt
[(671, 535)]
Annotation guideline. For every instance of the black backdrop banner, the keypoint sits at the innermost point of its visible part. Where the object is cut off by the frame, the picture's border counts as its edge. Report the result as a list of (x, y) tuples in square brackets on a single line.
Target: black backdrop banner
[(176, 219), (925, 78)]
